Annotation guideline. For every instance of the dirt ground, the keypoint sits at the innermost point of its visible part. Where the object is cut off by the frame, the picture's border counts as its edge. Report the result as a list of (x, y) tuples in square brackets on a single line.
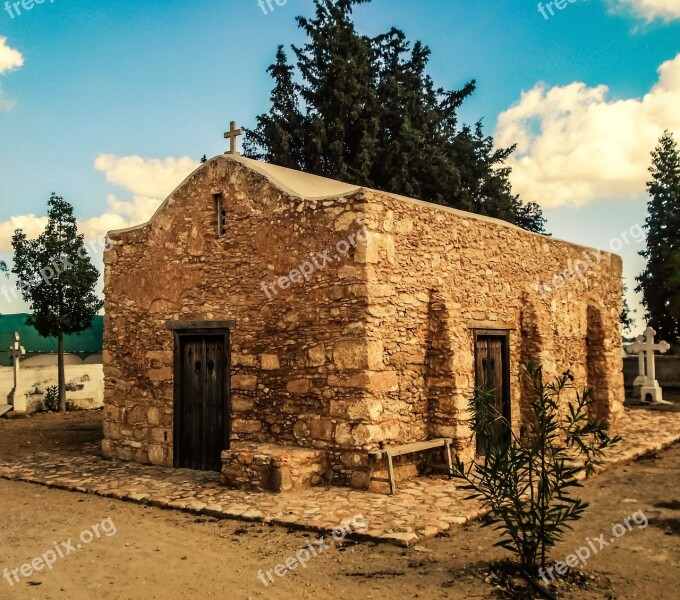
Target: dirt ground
[(162, 554)]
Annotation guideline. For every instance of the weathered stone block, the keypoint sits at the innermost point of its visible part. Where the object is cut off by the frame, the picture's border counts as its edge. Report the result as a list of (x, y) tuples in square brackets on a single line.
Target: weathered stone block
[(363, 409), (240, 403), (321, 429), (269, 362), (244, 382), (160, 375), (343, 434), (383, 381), (243, 360), (298, 386), (357, 354), (153, 416), (156, 454), (317, 355), (272, 467), (107, 447), (246, 426), (364, 434)]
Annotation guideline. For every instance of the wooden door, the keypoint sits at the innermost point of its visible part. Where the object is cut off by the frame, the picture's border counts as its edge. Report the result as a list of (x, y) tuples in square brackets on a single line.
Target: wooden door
[(201, 402), (492, 373)]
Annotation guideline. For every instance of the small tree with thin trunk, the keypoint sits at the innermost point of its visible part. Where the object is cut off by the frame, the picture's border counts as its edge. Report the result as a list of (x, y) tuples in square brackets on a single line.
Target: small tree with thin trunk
[(527, 483), (3, 269), (55, 275)]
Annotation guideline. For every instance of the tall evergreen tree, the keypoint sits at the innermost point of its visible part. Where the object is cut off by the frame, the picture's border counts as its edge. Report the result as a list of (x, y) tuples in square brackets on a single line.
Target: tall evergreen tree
[(485, 182), (279, 135), (663, 240), (336, 66), (417, 123), (365, 111), (56, 277), (674, 284), (627, 314)]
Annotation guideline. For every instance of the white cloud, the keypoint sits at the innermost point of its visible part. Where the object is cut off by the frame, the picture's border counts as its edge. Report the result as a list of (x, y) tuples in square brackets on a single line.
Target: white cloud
[(6, 103), (156, 177), (650, 10), (31, 225), (9, 59), (576, 145), (151, 177)]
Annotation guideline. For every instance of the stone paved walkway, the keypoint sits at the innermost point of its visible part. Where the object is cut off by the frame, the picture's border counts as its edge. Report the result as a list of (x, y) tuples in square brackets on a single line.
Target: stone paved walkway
[(420, 509)]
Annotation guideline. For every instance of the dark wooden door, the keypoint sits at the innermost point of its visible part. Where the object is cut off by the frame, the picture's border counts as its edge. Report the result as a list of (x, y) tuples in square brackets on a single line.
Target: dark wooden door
[(201, 402), (492, 373)]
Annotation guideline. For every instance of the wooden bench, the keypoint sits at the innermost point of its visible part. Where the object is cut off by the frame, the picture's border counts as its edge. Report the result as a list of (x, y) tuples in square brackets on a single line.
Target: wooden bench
[(387, 454)]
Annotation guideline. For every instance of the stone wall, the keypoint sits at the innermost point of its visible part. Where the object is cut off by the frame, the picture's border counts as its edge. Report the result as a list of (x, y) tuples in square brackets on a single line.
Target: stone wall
[(284, 350), (436, 275), (377, 346)]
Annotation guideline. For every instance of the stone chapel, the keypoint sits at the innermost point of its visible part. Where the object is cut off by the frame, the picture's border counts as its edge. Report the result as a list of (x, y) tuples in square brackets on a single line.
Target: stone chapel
[(278, 326)]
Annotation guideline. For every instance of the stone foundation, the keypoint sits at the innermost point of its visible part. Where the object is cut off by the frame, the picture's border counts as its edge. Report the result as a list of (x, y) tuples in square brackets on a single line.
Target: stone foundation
[(272, 467)]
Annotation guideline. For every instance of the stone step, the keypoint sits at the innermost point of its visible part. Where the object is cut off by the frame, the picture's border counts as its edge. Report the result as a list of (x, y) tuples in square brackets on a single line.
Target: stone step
[(4, 409), (272, 467)]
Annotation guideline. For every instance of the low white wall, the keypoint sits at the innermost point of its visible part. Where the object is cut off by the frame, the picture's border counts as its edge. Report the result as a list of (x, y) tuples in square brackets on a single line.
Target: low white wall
[(84, 380)]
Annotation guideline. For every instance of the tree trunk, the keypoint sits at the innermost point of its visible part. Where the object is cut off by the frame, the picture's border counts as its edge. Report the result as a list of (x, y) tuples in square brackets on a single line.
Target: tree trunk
[(61, 376)]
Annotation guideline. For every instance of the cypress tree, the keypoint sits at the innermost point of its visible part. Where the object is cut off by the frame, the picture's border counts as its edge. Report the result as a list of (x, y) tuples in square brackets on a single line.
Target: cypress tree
[(366, 112), (660, 276)]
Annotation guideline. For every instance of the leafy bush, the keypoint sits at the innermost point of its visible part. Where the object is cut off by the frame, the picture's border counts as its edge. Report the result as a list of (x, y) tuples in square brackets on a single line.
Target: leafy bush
[(527, 483), (51, 399)]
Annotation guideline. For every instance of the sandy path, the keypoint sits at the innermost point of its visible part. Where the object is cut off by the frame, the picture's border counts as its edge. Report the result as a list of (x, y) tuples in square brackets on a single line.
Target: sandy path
[(167, 554)]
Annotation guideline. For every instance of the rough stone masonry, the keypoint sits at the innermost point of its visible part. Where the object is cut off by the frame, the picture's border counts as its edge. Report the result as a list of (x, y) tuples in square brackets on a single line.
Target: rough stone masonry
[(376, 347)]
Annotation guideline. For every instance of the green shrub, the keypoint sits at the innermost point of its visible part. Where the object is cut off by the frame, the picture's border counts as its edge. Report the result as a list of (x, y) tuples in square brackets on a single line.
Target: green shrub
[(51, 400), (527, 483)]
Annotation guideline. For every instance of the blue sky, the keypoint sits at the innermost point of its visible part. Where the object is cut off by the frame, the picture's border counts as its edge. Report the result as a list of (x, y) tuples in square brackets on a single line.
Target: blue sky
[(112, 102)]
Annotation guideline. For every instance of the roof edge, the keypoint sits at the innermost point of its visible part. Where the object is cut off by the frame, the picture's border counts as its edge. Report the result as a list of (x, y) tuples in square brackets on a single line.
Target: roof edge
[(254, 166)]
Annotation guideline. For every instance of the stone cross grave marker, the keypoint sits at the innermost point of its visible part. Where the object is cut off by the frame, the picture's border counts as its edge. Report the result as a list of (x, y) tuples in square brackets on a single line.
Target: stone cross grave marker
[(651, 390), (15, 352), (642, 369), (232, 135)]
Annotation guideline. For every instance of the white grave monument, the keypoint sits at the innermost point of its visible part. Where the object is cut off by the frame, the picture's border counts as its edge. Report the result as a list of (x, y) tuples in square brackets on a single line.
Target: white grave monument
[(642, 369), (15, 352), (650, 390)]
